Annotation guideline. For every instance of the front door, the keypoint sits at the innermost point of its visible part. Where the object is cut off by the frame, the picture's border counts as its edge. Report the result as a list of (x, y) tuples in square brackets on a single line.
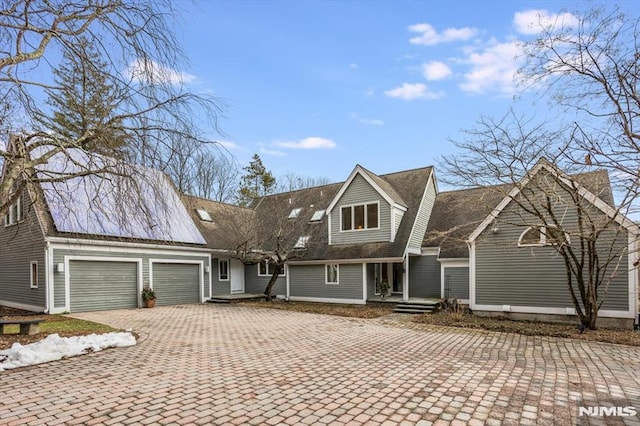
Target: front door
[(237, 276), (397, 277)]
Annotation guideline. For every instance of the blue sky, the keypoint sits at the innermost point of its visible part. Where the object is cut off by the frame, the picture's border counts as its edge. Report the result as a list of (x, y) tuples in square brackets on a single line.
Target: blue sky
[(315, 87)]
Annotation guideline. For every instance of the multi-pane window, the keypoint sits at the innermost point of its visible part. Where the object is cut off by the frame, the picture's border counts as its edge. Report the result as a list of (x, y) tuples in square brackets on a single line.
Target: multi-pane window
[(360, 216), (14, 214), (223, 270), (302, 242), (332, 273), (543, 236), (266, 269)]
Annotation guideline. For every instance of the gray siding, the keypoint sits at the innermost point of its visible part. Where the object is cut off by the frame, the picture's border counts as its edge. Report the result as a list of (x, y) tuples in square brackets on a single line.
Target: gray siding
[(534, 276), (398, 215), (422, 218), (21, 244), (99, 286), (309, 281), (456, 282), (59, 254), (176, 283), (424, 276), (360, 192), (256, 284), (219, 287)]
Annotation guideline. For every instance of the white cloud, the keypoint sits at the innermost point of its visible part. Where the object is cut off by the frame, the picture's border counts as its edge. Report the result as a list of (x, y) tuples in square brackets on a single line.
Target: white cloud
[(308, 143), (371, 121), (370, 92), (430, 37), (410, 92), (535, 21), (353, 66), (493, 68), (273, 152), (152, 72), (435, 70), (228, 144)]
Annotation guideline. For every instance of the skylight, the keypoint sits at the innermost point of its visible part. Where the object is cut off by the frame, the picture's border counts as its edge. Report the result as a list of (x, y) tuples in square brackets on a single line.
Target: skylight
[(317, 216), (294, 213), (204, 215), (302, 242)]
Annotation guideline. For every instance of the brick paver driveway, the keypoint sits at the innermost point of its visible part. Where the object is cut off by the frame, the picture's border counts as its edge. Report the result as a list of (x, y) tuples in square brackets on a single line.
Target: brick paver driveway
[(212, 364)]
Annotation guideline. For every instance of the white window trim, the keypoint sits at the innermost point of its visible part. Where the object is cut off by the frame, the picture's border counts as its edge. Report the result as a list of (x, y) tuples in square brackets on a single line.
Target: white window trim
[(33, 284), (326, 274), (269, 271), (220, 269), (9, 218), (366, 218), (543, 236)]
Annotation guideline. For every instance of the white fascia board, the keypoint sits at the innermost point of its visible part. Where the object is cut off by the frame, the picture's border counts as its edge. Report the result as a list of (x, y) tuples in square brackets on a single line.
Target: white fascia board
[(454, 263), (589, 196), (430, 251), (87, 244), (346, 261), (359, 171)]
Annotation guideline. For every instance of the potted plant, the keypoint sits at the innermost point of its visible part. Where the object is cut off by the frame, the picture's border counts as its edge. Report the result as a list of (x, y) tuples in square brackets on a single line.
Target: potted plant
[(384, 289), (149, 297)]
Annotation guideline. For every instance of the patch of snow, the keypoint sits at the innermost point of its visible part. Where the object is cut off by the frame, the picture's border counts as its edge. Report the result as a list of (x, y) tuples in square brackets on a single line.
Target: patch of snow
[(54, 347)]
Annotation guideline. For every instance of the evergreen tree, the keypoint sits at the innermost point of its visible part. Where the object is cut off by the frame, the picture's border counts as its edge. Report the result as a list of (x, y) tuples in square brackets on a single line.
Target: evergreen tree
[(256, 182), (85, 102)]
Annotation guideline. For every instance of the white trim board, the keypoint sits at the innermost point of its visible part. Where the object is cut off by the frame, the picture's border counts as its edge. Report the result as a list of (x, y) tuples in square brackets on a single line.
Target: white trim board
[(603, 313), (327, 300), (101, 245)]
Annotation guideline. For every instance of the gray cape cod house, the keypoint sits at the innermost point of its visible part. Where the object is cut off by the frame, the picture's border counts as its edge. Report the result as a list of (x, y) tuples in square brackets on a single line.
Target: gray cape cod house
[(62, 253)]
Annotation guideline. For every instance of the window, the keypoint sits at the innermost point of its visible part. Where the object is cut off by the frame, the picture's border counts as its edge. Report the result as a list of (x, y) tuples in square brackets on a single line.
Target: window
[(34, 274), (265, 269), (223, 270), (204, 215), (543, 236), (360, 216), (295, 213), (302, 242), (332, 273), (14, 215), (317, 216)]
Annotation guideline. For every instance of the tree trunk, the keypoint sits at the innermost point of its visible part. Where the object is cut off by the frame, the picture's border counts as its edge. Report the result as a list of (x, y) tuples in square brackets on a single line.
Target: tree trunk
[(272, 282)]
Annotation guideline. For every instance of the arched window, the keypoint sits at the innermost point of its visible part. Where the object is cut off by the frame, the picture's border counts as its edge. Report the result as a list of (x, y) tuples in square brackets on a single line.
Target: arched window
[(536, 236)]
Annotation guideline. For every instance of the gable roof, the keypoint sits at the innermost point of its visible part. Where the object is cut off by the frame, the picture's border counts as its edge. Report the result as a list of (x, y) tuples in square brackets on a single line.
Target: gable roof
[(217, 235), (125, 202), (380, 185), (544, 165), (408, 186), (453, 221)]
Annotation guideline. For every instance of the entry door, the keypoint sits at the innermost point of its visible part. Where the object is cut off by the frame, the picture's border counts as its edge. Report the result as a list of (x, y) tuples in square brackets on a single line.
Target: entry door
[(237, 276)]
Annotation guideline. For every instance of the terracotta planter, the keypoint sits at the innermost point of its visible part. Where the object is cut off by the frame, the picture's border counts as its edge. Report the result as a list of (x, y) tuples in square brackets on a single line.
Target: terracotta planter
[(150, 303)]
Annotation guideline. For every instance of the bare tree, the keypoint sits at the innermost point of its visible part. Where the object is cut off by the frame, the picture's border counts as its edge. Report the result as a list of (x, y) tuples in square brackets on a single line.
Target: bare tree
[(274, 231), (216, 176), (549, 205), (138, 54), (292, 181), (592, 70)]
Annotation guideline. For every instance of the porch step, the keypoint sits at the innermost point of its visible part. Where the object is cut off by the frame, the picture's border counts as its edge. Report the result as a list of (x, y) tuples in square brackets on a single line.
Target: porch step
[(414, 308), (218, 300), (232, 298)]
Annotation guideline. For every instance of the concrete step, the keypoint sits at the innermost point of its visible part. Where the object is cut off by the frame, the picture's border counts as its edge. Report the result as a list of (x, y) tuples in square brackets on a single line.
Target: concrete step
[(217, 300)]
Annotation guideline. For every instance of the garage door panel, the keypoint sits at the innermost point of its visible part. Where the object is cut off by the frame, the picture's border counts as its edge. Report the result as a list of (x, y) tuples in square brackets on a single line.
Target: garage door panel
[(101, 285), (176, 283)]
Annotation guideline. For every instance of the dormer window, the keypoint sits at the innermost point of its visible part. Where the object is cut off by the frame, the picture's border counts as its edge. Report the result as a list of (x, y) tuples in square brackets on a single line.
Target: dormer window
[(295, 213), (317, 216), (360, 216), (302, 242), (204, 215)]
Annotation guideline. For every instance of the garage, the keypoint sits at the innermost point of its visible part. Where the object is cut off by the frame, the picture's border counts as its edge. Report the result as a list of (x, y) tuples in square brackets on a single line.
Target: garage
[(101, 285), (176, 283)]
